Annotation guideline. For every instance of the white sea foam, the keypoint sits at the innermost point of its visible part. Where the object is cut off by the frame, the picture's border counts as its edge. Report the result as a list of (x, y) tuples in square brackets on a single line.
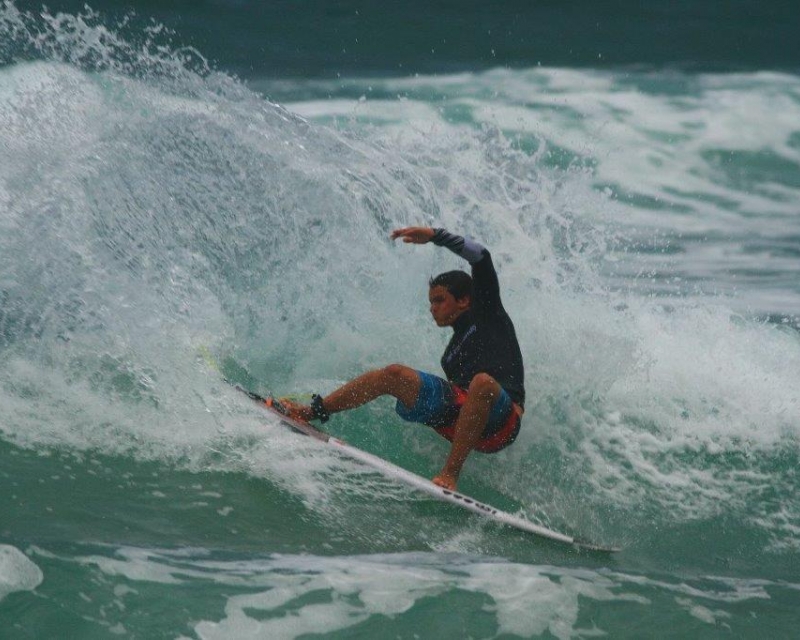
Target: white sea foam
[(705, 163), (527, 600), (17, 571), (285, 596)]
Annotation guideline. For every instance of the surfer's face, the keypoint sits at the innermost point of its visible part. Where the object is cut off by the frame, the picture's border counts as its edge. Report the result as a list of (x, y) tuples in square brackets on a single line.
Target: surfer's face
[(445, 308)]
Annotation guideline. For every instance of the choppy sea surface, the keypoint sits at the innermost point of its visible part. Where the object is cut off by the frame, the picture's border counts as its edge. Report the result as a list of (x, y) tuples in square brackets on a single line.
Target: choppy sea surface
[(156, 207)]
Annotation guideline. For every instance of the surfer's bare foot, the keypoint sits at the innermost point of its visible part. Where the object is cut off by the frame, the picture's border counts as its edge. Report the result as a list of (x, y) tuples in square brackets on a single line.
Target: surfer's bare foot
[(445, 481), (295, 410)]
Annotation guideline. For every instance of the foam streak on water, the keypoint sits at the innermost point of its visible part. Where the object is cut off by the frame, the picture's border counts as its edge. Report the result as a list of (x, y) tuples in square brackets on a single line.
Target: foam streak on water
[(288, 596)]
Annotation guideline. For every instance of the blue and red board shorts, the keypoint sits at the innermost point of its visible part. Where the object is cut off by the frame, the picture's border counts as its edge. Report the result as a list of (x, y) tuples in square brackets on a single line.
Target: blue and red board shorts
[(439, 403)]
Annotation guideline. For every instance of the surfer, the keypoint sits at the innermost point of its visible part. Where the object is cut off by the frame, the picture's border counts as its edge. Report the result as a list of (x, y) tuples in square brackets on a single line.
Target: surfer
[(480, 404)]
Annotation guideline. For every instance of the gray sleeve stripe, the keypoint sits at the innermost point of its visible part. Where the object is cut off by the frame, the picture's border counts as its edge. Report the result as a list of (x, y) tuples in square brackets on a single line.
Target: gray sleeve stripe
[(467, 248), (448, 240), (472, 251)]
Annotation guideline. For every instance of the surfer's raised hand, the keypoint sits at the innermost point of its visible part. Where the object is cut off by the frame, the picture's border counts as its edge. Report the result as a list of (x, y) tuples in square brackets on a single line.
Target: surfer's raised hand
[(415, 235)]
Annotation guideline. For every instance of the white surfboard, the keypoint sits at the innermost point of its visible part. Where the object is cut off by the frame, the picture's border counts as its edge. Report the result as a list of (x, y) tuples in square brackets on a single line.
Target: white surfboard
[(418, 482)]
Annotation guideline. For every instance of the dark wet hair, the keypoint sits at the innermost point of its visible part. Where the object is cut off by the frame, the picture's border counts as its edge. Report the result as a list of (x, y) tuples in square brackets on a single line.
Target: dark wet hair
[(458, 283)]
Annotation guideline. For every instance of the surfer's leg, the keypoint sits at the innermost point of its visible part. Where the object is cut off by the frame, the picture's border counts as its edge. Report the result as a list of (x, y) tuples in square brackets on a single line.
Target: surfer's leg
[(395, 380), (482, 393)]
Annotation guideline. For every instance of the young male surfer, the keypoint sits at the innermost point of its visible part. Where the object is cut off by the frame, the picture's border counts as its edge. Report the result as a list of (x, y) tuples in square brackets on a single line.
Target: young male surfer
[(480, 405)]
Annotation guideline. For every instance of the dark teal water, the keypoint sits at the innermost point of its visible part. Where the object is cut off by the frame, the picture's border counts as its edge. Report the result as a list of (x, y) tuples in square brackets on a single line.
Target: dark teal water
[(643, 214), (313, 38)]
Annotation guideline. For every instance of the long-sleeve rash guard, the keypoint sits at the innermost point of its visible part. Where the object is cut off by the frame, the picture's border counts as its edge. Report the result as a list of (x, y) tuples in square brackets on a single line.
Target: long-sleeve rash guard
[(484, 340)]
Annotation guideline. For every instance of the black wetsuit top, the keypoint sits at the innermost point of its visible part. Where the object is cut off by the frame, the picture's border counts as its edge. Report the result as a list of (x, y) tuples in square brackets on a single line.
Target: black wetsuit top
[(484, 340)]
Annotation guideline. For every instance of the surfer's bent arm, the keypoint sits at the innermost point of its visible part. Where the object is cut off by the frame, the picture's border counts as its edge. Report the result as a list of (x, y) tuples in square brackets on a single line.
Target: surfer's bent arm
[(484, 276)]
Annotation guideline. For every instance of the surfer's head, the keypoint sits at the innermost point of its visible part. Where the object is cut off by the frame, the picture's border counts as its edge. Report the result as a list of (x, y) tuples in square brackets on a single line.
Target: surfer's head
[(450, 295)]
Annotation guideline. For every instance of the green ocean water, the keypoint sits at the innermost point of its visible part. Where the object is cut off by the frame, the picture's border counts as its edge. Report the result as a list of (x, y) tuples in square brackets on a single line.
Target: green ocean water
[(154, 207)]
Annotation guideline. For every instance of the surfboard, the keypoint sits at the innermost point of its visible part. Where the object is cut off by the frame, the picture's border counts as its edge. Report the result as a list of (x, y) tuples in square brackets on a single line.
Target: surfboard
[(417, 482)]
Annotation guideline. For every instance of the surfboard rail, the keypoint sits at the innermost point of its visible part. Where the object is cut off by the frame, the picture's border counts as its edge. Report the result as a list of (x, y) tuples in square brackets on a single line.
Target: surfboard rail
[(417, 482)]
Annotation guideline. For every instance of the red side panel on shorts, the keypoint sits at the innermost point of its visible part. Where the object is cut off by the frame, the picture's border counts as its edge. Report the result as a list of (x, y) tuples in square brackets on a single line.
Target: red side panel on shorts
[(507, 434), (500, 440)]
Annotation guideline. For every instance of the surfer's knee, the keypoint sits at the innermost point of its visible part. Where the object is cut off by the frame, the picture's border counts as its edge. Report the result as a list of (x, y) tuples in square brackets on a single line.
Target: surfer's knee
[(484, 385), (399, 373), (402, 382)]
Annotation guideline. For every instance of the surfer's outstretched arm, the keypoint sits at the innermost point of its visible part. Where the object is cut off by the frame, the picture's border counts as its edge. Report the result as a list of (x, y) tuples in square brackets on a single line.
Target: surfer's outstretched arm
[(486, 300), (467, 248)]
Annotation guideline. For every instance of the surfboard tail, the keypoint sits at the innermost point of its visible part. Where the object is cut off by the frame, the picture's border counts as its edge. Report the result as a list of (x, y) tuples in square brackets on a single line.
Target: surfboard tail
[(588, 545)]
